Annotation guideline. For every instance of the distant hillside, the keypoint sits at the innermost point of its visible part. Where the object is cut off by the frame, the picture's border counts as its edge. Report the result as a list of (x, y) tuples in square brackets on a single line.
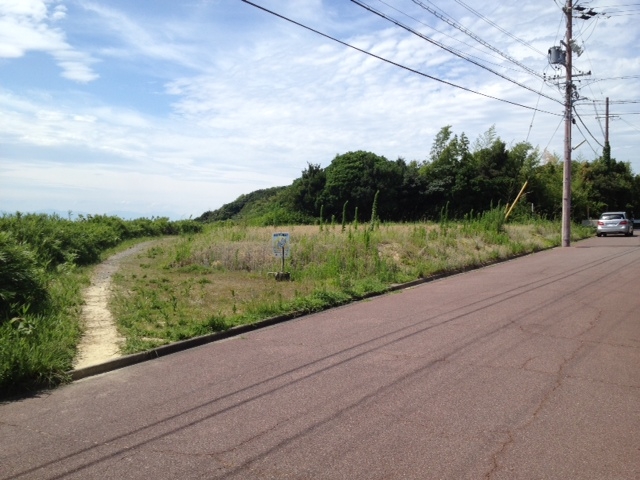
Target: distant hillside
[(457, 180), (243, 207)]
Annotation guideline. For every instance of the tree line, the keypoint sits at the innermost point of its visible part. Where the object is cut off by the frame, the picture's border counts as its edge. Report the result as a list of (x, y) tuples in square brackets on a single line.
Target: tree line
[(459, 177)]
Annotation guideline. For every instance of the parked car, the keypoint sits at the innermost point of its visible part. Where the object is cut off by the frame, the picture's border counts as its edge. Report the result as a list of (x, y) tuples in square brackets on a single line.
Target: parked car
[(615, 222)]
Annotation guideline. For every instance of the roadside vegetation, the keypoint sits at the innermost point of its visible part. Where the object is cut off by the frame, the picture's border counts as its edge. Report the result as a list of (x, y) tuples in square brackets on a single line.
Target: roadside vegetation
[(44, 262), (197, 279), (357, 227), (458, 174), (223, 277)]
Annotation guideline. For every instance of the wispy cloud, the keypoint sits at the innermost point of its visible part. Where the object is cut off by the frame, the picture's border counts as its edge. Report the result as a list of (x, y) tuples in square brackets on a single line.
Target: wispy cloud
[(167, 40), (198, 102)]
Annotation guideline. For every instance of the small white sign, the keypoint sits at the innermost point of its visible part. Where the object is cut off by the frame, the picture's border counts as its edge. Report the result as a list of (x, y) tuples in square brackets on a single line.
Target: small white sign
[(280, 243)]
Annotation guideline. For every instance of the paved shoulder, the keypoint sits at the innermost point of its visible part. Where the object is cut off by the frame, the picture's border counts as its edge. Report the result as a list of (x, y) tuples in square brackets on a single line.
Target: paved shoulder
[(527, 369)]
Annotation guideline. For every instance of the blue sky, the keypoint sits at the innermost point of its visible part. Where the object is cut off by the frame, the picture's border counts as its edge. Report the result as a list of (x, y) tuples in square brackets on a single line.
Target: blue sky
[(172, 108)]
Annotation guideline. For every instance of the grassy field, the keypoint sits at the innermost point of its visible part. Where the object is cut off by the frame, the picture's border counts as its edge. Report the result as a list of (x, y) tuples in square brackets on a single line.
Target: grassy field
[(45, 263), (196, 284), (207, 279)]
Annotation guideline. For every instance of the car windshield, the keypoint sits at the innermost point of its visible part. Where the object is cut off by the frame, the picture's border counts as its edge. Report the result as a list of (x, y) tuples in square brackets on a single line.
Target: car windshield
[(616, 216)]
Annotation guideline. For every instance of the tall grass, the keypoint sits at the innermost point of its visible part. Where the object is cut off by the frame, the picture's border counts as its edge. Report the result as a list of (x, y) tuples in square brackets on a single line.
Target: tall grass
[(224, 276), (209, 280), (43, 269)]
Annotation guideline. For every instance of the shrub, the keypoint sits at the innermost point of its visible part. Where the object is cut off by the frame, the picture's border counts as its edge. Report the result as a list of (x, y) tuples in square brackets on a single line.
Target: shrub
[(23, 284)]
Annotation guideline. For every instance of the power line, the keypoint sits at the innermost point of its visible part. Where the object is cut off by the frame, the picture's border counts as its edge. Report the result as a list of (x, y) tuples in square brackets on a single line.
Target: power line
[(519, 40), (442, 33), (534, 113), (586, 128), (632, 126), (448, 49), (627, 77), (585, 139), (390, 61), (599, 118), (617, 102), (624, 13), (554, 134), (475, 37), (617, 6)]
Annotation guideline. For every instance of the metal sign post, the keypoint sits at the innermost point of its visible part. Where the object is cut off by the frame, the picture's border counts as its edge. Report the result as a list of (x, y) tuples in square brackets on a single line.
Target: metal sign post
[(280, 243)]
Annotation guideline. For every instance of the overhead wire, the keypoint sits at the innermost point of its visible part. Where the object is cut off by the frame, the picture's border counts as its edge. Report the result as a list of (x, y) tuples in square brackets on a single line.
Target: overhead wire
[(587, 30), (448, 49), (585, 127), (534, 112), (632, 126), (445, 82), (618, 102), (626, 77), (554, 134), (475, 37), (493, 24), (589, 85), (440, 32), (586, 140), (624, 5), (627, 13), (598, 117)]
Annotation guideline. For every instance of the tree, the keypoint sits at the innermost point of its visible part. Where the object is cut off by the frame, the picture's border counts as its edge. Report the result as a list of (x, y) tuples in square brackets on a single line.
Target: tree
[(610, 184), (305, 191), (445, 174), (356, 177), (411, 192), (545, 186)]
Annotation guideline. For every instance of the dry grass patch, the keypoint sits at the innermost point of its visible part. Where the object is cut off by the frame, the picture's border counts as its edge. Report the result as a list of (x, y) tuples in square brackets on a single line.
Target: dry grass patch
[(192, 285)]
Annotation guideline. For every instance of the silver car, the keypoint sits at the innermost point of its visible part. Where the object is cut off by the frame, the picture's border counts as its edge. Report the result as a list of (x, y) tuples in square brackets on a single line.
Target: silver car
[(615, 222)]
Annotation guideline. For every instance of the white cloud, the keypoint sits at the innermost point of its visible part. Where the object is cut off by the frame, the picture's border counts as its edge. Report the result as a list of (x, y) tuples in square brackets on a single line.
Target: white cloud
[(31, 9), (249, 99), (25, 27), (59, 13), (165, 41)]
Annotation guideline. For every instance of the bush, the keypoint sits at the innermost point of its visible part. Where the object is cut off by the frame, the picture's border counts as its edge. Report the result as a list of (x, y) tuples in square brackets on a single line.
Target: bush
[(40, 288), (23, 284)]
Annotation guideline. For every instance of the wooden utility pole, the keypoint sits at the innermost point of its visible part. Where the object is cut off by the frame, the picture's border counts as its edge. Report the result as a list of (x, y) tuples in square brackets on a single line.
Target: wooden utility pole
[(566, 182)]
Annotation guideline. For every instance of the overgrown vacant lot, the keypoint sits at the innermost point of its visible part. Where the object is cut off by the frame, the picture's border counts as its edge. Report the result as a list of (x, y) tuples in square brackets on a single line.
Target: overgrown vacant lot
[(192, 285)]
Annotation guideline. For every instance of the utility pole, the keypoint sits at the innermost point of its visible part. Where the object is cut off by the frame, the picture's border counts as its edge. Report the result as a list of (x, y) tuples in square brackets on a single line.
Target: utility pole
[(558, 57), (606, 123), (606, 151), (568, 104)]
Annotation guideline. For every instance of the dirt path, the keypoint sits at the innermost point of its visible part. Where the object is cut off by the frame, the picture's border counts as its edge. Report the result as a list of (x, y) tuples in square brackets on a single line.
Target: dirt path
[(101, 341)]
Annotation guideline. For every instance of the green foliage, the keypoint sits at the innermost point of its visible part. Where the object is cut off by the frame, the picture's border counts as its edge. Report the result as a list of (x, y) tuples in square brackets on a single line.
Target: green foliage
[(40, 288), (37, 350), (245, 206), (374, 211), (603, 184), (223, 277), (23, 282), (304, 194), (356, 177), (55, 240), (344, 216), (468, 179)]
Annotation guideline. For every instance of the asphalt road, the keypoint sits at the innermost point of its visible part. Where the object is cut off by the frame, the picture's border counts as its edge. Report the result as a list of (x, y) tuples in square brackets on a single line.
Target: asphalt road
[(529, 369)]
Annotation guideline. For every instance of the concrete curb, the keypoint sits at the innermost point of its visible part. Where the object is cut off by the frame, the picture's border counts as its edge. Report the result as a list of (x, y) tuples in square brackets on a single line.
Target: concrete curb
[(132, 359)]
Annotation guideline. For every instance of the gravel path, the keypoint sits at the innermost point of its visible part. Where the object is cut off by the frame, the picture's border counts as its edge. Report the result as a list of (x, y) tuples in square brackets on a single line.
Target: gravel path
[(101, 340)]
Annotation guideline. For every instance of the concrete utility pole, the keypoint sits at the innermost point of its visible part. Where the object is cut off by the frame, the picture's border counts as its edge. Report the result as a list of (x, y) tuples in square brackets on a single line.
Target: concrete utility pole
[(568, 106), (606, 124)]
